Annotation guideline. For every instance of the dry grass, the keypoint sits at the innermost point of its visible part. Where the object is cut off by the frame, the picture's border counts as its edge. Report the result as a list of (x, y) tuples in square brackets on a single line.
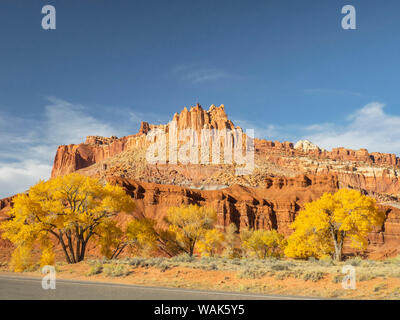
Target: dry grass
[(319, 278)]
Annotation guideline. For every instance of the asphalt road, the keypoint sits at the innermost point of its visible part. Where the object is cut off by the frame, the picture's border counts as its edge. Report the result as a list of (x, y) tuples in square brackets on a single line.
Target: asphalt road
[(24, 288)]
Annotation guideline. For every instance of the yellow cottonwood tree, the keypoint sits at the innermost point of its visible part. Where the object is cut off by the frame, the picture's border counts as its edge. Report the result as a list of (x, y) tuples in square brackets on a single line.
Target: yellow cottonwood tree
[(322, 227), (72, 209), (230, 237), (111, 238), (211, 242), (263, 243), (189, 224), (144, 235)]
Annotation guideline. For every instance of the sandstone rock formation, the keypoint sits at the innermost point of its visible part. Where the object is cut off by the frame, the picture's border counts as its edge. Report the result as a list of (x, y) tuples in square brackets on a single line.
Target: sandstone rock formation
[(374, 172), (284, 178), (274, 207), (306, 146), (5, 205)]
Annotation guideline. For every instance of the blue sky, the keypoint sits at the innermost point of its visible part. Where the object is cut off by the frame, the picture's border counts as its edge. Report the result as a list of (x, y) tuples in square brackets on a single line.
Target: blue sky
[(285, 68)]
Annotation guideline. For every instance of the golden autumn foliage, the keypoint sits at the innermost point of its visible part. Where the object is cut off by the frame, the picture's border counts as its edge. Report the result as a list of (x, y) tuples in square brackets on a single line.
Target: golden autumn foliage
[(231, 251), (263, 243), (323, 226), (189, 223), (111, 239), (144, 237), (71, 209), (142, 233), (211, 242), (21, 258)]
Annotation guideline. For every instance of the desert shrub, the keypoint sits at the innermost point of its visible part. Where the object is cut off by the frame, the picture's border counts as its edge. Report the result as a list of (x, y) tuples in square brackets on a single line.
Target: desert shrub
[(395, 273), (369, 263), (236, 261), (183, 258), (279, 267), (354, 261), (394, 260), (365, 276), (212, 266), (156, 262), (232, 253), (337, 278), (207, 259), (90, 262), (396, 293), (326, 261), (137, 262), (297, 274), (282, 275), (380, 287), (115, 270), (335, 294), (96, 268), (313, 276), (251, 274), (164, 267)]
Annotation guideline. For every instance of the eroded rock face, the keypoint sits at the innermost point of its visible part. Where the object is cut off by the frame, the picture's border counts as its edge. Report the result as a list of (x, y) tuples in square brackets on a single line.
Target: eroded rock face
[(5, 205), (6, 247), (274, 207), (306, 146), (70, 158), (374, 172), (285, 177)]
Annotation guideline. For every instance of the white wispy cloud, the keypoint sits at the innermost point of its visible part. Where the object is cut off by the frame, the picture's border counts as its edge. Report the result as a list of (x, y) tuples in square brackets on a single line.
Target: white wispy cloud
[(369, 127), (16, 177), (29, 147), (199, 73), (68, 123)]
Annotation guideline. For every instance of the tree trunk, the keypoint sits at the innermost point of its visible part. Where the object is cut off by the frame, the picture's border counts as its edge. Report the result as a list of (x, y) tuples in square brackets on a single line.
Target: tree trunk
[(118, 251), (338, 244), (71, 248), (338, 252), (83, 251), (191, 248), (64, 248)]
